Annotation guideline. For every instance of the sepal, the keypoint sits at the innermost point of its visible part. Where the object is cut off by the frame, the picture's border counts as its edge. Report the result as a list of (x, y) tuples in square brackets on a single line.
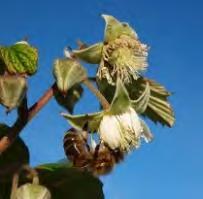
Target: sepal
[(67, 73), (91, 54), (92, 121), (12, 91), (115, 29)]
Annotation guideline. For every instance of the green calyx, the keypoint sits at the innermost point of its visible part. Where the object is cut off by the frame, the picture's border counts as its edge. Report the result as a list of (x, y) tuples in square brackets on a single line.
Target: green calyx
[(32, 191), (114, 29), (91, 54), (12, 91), (67, 73)]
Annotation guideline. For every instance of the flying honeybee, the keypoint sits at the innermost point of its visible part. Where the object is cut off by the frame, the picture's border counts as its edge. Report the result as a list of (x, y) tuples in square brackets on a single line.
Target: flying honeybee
[(98, 159)]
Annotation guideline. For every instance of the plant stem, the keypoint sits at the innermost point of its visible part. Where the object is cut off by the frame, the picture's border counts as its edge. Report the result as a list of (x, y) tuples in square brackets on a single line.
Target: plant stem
[(35, 108), (97, 93), (24, 116)]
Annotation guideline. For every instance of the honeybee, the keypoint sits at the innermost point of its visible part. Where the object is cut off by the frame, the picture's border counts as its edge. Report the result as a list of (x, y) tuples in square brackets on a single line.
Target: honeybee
[(76, 148), (98, 159), (104, 159)]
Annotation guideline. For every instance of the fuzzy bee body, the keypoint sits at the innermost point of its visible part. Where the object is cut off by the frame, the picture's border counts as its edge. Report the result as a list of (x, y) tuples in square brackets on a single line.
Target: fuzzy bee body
[(98, 160), (76, 148), (103, 160)]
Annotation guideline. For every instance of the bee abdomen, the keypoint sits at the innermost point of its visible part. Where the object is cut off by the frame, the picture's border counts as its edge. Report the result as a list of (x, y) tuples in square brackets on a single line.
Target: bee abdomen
[(76, 149)]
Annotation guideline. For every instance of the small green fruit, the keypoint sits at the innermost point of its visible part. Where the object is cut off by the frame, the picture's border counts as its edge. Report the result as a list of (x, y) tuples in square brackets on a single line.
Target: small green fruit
[(12, 91), (20, 58), (32, 191)]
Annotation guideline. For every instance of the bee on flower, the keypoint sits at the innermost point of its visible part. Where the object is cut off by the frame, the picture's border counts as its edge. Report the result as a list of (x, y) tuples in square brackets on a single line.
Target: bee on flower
[(124, 95), (118, 127), (96, 158)]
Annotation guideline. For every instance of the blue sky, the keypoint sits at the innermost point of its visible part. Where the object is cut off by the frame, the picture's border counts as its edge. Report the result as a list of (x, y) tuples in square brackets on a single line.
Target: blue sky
[(172, 165)]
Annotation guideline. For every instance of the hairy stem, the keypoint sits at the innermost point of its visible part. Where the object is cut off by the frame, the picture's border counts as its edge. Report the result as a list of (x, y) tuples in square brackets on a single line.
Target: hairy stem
[(98, 94), (24, 116)]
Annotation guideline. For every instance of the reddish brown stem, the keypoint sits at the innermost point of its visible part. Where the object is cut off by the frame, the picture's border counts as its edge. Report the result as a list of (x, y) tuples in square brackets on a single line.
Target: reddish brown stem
[(24, 116), (41, 102)]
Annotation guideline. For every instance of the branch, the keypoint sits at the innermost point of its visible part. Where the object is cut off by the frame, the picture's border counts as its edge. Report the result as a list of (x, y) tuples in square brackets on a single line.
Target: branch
[(24, 116), (34, 109), (97, 93)]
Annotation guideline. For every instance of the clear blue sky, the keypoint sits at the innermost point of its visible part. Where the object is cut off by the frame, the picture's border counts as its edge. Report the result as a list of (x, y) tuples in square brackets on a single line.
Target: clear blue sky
[(172, 166)]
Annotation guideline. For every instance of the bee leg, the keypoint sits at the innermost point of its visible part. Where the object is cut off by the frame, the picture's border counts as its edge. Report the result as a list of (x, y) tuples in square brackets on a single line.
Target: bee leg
[(76, 148), (96, 152)]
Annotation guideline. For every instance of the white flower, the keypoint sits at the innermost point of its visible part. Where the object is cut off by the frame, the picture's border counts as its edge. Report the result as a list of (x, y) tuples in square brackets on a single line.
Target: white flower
[(119, 126), (121, 131)]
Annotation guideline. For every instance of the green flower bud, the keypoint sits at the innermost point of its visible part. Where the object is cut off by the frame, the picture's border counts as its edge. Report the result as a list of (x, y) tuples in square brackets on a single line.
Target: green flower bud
[(114, 29), (29, 190), (12, 91), (67, 73), (20, 58), (32, 191)]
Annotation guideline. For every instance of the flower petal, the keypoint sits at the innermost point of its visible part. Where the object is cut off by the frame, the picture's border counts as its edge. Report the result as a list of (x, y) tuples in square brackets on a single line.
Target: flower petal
[(122, 130), (110, 131)]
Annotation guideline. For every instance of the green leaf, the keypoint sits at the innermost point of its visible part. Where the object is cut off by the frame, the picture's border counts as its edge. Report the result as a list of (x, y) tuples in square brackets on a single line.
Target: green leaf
[(12, 91), (13, 158), (5, 190), (121, 99), (141, 103), (68, 72), (79, 121), (115, 29), (72, 97), (158, 108), (65, 182), (20, 58), (91, 54), (54, 166)]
